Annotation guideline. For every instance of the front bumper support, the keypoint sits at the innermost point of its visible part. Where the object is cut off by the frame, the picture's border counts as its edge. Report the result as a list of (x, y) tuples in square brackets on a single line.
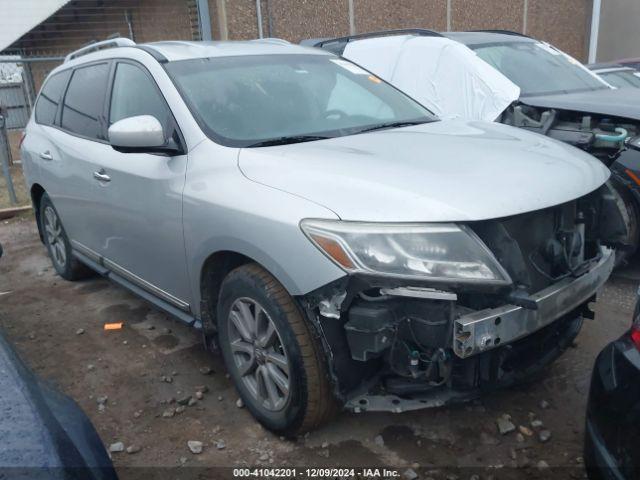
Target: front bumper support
[(490, 328)]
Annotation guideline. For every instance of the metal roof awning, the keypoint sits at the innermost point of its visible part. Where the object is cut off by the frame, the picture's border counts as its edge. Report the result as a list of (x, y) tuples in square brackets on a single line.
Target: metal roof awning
[(19, 17)]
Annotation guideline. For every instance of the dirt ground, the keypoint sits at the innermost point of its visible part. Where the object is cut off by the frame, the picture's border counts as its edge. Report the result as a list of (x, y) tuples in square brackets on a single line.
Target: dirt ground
[(41, 314), (19, 185)]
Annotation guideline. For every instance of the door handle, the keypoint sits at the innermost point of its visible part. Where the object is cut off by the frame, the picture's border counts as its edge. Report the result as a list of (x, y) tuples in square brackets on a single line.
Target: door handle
[(101, 176), (46, 155)]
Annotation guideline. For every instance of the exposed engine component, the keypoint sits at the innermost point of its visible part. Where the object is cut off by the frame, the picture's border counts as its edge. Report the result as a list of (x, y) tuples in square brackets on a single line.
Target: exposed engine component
[(601, 136)]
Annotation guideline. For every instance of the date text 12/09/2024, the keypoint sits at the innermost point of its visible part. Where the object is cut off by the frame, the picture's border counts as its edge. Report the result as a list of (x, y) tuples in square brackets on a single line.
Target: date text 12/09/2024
[(316, 473)]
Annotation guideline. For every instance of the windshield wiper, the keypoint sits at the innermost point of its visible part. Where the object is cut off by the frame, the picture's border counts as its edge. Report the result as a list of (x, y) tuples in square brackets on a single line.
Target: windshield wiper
[(288, 140), (382, 126)]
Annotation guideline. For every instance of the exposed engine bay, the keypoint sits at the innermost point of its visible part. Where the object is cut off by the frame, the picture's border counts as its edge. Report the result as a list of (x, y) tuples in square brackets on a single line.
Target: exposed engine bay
[(613, 140), (602, 136), (397, 345)]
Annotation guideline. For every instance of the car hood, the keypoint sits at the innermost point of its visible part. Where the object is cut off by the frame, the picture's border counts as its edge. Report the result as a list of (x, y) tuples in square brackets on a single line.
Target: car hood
[(616, 102), (437, 172)]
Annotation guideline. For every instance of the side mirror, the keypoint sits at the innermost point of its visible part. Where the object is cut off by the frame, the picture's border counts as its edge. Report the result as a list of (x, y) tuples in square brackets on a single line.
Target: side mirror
[(141, 134)]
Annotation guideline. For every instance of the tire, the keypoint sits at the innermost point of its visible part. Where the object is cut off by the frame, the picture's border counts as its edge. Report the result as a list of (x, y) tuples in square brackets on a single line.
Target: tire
[(57, 243), (250, 294), (631, 216)]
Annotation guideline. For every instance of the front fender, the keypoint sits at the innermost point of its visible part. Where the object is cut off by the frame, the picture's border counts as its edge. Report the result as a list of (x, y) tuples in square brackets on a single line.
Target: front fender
[(225, 211)]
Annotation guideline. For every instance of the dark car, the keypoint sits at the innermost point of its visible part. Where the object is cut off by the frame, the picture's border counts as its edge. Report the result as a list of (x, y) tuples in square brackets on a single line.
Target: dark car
[(560, 98), (612, 438), (630, 62), (44, 434), (617, 75)]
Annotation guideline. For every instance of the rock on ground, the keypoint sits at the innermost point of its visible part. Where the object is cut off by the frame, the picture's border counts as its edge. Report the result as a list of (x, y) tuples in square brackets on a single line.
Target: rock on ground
[(133, 449), (505, 425), (195, 446), (116, 447)]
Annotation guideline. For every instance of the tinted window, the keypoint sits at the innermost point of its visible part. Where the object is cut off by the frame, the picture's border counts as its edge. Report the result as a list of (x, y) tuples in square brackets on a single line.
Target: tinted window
[(83, 103), (538, 68), (248, 100), (134, 93), (50, 97)]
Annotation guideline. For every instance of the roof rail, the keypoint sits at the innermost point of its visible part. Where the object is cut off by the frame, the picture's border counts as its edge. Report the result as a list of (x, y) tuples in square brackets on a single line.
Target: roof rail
[(503, 32), (342, 41), (103, 45), (274, 40)]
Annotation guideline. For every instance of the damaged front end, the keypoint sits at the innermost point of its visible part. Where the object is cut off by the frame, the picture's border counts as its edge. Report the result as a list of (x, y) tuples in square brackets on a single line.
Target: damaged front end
[(444, 312)]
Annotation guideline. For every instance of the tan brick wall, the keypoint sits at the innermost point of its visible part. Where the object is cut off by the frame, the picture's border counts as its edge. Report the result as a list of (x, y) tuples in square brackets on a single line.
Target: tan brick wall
[(374, 15), (563, 23), (480, 14), (302, 19)]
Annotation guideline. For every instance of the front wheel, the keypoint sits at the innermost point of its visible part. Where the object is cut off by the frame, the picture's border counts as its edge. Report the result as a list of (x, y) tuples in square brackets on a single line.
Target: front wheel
[(277, 366), (630, 214)]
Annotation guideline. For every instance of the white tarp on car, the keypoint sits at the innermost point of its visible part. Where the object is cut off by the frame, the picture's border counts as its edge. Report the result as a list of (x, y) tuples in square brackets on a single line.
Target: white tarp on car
[(445, 76)]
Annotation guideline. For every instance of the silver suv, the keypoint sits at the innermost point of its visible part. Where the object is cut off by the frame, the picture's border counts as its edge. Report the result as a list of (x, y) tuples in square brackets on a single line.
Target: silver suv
[(339, 244)]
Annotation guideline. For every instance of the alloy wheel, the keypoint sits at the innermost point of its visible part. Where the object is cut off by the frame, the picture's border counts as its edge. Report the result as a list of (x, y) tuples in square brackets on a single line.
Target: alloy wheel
[(258, 354), (55, 237)]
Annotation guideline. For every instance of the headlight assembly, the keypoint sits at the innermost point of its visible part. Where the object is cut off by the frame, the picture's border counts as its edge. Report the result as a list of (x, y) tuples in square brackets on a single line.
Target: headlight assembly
[(442, 252)]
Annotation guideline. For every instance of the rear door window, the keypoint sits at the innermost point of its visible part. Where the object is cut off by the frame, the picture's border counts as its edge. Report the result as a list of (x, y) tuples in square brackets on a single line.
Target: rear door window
[(50, 96), (135, 93), (82, 111)]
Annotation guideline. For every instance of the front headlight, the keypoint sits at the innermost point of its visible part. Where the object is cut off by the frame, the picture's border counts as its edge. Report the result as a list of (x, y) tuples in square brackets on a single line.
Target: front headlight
[(442, 252)]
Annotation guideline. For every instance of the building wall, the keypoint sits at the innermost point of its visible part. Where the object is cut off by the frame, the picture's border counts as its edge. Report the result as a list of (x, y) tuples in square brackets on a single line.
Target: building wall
[(619, 35), (565, 23)]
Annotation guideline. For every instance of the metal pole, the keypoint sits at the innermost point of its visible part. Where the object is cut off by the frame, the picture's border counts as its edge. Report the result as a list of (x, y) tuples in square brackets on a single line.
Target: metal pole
[(221, 6), (259, 18), (595, 30), (127, 18), (525, 16), (270, 27), (448, 15), (205, 20), (352, 19), (27, 83), (5, 154)]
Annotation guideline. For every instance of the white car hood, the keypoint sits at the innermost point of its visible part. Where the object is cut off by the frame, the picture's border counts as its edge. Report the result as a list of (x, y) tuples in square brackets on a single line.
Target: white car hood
[(445, 76), (436, 172)]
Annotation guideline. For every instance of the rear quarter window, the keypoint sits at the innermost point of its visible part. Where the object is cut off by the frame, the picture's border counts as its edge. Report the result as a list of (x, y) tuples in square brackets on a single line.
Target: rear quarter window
[(82, 110), (50, 96)]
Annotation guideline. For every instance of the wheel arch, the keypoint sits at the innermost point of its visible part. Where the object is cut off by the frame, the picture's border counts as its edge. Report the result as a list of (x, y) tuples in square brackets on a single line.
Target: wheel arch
[(37, 191), (212, 273)]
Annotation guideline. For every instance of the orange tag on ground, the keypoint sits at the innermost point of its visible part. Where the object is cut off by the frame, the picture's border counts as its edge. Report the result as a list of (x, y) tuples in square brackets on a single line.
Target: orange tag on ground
[(113, 326)]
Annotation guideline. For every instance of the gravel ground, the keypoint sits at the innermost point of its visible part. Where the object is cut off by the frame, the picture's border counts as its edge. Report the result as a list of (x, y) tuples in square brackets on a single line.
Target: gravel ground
[(154, 362)]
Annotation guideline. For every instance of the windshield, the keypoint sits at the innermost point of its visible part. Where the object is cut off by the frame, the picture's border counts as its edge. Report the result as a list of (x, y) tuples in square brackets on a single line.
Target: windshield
[(622, 78), (259, 100), (539, 69)]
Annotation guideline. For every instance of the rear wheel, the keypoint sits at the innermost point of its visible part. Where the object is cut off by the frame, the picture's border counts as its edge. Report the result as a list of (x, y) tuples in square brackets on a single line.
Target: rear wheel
[(270, 353), (57, 243)]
